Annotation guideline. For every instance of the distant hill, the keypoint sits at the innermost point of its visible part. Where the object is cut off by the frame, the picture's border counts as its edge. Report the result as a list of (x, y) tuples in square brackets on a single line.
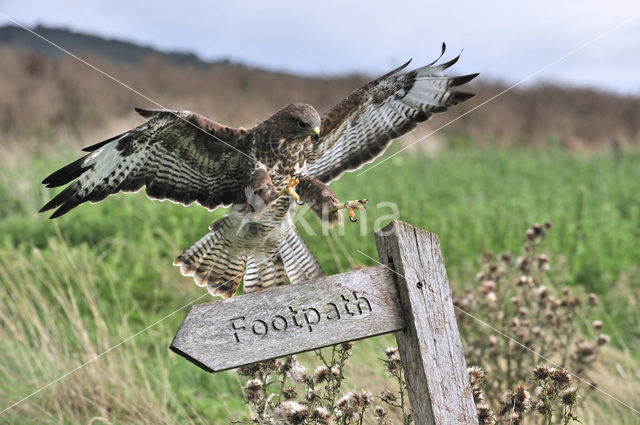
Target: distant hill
[(112, 49), (46, 95)]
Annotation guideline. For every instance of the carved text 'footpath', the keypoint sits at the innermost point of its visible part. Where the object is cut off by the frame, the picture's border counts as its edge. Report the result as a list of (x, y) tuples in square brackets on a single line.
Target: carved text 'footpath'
[(305, 318)]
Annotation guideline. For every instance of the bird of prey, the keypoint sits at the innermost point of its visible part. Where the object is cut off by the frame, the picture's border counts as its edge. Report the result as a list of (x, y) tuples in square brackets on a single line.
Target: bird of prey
[(291, 156)]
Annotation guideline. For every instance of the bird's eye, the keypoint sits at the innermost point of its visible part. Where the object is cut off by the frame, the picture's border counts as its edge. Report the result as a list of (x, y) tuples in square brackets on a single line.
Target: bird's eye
[(302, 124)]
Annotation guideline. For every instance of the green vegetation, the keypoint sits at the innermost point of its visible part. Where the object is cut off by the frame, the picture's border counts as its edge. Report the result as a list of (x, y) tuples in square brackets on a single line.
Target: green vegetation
[(72, 288)]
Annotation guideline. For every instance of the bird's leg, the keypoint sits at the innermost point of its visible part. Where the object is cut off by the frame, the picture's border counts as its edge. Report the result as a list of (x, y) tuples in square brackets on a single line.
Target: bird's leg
[(290, 189), (325, 203), (261, 192), (351, 207)]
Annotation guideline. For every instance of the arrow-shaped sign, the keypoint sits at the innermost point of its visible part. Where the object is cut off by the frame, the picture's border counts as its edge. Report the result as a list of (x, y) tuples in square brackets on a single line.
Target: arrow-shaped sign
[(242, 330)]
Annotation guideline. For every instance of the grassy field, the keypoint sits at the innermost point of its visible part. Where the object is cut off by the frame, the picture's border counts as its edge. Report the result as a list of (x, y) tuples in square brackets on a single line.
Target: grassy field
[(72, 288)]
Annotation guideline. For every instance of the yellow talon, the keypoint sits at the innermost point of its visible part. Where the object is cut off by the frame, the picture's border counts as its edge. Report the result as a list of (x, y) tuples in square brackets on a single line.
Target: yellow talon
[(291, 189), (352, 206)]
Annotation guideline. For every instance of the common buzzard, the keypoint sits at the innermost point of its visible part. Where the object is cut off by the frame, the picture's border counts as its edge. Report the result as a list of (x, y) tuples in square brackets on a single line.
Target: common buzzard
[(293, 155)]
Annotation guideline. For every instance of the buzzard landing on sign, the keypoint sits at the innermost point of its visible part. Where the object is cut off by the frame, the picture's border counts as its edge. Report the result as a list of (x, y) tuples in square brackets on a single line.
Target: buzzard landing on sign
[(260, 172)]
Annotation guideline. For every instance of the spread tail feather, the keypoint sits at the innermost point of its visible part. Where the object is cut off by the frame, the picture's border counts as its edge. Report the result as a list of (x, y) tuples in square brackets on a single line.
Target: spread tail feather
[(263, 271), (299, 262), (215, 262), (293, 260)]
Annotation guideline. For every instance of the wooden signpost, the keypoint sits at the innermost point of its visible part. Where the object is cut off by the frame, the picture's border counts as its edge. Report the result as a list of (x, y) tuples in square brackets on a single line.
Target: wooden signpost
[(409, 295)]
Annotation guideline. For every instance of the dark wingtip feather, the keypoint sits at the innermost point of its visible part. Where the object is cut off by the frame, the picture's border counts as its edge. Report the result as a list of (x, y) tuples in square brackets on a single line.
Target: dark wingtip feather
[(450, 63), (461, 96), (101, 144), (146, 113), (390, 73), (463, 79), (444, 48), (66, 174), (63, 200), (64, 208), (149, 113)]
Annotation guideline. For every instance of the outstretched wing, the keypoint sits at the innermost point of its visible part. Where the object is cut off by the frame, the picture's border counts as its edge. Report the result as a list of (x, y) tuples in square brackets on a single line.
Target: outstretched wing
[(361, 126), (177, 155)]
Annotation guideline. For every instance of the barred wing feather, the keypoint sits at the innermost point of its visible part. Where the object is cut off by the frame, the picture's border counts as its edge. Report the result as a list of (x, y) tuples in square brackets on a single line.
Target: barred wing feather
[(360, 128), (177, 155)]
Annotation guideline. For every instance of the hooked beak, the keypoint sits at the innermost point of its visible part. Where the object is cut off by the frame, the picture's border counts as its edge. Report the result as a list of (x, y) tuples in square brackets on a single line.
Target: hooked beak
[(316, 133)]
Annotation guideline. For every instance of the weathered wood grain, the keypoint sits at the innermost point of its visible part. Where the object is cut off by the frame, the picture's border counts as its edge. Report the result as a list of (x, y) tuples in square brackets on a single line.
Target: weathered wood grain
[(241, 330), (430, 347)]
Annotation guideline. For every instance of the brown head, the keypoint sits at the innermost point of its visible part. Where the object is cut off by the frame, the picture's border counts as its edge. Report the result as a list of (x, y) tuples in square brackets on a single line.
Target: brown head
[(293, 123), (284, 138)]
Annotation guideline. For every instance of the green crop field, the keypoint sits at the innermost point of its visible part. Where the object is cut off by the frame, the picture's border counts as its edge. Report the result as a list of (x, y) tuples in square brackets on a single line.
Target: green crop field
[(73, 288)]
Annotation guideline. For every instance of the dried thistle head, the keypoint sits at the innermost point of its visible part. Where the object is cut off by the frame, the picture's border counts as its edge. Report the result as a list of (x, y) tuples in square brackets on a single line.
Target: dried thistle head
[(253, 390), (249, 370), (543, 262), (540, 372), (521, 399), (321, 415), (290, 412), (311, 396), (602, 339), (593, 299), (525, 281), (542, 407), (367, 398), (538, 230), (476, 375), (523, 264), (271, 366), (392, 353), (387, 395), (485, 414), (542, 292), (559, 376), (298, 374), (598, 325), (585, 352), (487, 286), (346, 346), (289, 393), (350, 403), (568, 396), (530, 234), (335, 371), (289, 363), (507, 400), (321, 374), (478, 396), (380, 412), (393, 365)]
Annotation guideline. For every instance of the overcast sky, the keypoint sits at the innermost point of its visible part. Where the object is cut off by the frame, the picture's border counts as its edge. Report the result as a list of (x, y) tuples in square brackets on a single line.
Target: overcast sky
[(508, 40)]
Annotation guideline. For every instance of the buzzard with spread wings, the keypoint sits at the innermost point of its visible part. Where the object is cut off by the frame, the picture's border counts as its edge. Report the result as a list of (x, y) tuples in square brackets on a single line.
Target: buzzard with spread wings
[(292, 156)]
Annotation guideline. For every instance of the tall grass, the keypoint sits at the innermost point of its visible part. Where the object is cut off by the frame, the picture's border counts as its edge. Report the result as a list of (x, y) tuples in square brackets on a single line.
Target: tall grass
[(72, 288)]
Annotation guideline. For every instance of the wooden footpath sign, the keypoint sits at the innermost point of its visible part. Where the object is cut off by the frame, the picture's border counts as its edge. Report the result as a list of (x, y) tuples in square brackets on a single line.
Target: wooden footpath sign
[(408, 294)]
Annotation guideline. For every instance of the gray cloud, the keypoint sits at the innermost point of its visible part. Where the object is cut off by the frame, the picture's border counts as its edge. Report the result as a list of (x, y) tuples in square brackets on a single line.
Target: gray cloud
[(507, 40)]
